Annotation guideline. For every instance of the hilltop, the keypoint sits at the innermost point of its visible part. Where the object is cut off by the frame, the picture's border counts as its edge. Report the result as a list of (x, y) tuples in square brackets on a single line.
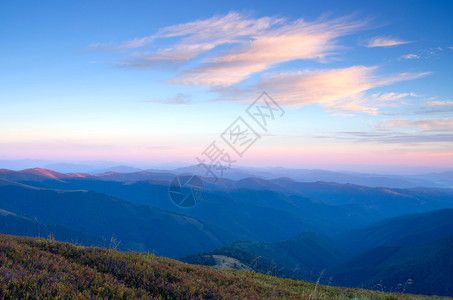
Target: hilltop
[(43, 268)]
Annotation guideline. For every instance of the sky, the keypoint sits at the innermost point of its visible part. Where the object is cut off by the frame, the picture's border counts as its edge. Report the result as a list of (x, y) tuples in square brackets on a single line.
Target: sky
[(357, 83)]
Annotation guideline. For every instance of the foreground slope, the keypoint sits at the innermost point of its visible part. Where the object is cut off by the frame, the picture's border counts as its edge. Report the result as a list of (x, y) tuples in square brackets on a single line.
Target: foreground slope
[(38, 268)]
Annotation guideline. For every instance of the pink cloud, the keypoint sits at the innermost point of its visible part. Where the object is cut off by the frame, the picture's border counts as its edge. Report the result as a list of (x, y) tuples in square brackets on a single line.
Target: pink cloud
[(287, 42), (335, 89), (256, 44)]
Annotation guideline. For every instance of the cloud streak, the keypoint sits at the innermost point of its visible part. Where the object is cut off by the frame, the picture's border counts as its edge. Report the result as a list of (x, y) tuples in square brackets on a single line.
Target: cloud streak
[(390, 137), (437, 107), (179, 99), (196, 37), (383, 41), (426, 125), (410, 56), (386, 97)]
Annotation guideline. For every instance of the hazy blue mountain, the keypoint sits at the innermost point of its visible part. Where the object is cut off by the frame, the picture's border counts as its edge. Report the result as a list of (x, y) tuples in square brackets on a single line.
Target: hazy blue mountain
[(21, 164), (78, 167), (281, 207), (259, 215), (70, 168), (419, 269), (302, 257), (138, 227), (440, 178), (372, 180), (117, 169), (15, 224), (160, 176), (414, 249), (386, 202), (39, 177), (31, 175), (387, 252), (400, 231), (313, 175), (433, 179)]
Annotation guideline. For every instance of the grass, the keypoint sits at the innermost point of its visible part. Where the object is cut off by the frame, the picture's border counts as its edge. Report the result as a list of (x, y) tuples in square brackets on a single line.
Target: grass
[(36, 268)]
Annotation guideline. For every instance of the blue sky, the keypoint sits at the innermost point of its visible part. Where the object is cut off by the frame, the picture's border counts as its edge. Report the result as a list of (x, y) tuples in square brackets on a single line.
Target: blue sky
[(361, 82)]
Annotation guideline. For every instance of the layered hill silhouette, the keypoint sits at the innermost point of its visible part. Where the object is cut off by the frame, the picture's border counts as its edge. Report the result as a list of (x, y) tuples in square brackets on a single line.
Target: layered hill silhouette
[(329, 208), (138, 227)]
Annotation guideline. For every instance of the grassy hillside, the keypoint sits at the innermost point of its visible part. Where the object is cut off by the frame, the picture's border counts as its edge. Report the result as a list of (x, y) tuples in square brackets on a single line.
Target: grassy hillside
[(39, 268)]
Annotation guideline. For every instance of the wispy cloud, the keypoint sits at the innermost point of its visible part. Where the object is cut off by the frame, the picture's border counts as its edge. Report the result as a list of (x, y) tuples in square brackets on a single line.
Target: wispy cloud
[(439, 103), (179, 99), (254, 45), (437, 107), (224, 50), (195, 38), (410, 56), (383, 41), (422, 125), (296, 40), (391, 137), (202, 34), (392, 96)]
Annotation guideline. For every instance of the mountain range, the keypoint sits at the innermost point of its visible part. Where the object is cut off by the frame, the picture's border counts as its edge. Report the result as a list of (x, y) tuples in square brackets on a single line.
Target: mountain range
[(337, 233)]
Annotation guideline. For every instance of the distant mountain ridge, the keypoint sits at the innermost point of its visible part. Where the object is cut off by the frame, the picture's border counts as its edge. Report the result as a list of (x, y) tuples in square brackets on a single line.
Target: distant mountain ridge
[(435, 180)]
